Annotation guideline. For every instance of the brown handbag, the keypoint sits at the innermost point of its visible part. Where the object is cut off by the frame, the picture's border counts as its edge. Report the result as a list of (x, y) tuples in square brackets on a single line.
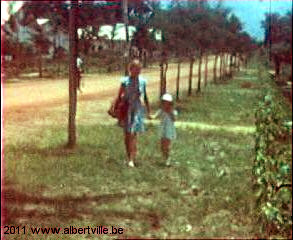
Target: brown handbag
[(119, 109)]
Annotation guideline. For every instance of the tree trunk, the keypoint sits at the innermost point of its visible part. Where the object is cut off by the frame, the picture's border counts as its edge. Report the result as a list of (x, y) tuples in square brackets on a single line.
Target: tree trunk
[(58, 68), (238, 62), (277, 63), (224, 66), (165, 76), (40, 65), (127, 49), (55, 31), (72, 75), (178, 80), (227, 64), (230, 65), (113, 35), (215, 68), (206, 70), (190, 76), (221, 66), (161, 78), (59, 61), (144, 58), (199, 72)]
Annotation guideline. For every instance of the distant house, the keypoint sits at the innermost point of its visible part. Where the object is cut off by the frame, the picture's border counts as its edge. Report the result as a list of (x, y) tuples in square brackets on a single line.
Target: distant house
[(106, 39)]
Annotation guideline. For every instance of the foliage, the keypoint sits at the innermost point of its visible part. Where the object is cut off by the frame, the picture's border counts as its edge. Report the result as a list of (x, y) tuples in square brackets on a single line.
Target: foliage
[(272, 166), (278, 38)]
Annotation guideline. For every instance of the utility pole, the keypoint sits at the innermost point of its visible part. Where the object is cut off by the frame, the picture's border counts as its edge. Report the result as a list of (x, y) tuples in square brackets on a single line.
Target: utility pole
[(72, 74)]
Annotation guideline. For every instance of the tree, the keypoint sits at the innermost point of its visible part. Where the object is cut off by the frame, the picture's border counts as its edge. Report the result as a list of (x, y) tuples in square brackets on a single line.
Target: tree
[(159, 21), (42, 45), (80, 14), (72, 75), (278, 39)]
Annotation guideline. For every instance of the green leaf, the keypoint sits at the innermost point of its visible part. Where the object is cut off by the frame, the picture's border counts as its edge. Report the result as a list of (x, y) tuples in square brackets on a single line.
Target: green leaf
[(285, 169)]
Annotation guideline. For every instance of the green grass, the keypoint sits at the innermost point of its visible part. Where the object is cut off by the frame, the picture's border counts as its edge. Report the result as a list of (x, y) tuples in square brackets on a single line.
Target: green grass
[(208, 187)]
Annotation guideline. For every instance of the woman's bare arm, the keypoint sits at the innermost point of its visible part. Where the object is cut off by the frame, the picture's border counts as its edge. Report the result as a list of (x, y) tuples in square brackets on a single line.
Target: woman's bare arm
[(146, 100), (121, 91)]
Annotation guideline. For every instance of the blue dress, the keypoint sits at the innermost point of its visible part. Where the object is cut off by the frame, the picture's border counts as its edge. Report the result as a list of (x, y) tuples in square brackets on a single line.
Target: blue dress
[(167, 128), (134, 93)]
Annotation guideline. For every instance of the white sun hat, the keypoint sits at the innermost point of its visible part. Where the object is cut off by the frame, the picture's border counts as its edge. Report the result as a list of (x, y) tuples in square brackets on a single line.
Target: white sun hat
[(167, 97)]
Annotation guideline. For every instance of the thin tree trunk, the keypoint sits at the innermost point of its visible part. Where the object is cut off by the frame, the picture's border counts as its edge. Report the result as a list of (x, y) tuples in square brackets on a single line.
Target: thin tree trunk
[(277, 64), (235, 61), (238, 62), (215, 68), (165, 76), (59, 61), (144, 59), (161, 78), (224, 66), (221, 66), (178, 80), (55, 31), (72, 75), (230, 65), (199, 72), (206, 70), (58, 68), (227, 64), (113, 35), (190, 76), (40, 66), (127, 49)]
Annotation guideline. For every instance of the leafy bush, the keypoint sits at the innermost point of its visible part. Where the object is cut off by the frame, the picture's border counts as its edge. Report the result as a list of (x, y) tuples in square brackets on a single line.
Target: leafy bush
[(272, 167)]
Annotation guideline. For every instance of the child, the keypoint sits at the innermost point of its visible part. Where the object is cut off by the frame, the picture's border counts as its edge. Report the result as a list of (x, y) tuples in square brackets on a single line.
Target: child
[(167, 129)]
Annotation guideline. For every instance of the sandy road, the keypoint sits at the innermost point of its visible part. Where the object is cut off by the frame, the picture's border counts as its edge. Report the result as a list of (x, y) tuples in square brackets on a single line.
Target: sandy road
[(47, 93), (33, 102)]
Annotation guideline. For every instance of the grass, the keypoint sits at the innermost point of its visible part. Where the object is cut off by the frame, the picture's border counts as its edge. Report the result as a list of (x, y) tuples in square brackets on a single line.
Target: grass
[(206, 193)]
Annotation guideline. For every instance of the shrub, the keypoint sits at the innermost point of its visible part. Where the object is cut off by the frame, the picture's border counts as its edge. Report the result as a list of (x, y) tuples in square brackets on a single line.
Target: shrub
[(272, 167)]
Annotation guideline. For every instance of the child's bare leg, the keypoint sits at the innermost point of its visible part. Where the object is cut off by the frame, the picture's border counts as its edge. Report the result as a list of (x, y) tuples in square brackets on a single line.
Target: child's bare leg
[(165, 147)]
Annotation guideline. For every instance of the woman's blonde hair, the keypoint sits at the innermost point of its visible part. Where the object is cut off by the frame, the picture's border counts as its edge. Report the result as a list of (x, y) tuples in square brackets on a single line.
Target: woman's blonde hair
[(134, 63)]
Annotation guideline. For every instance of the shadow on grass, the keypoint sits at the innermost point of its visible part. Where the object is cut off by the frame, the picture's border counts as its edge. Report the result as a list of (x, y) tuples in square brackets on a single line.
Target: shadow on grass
[(68, 208)]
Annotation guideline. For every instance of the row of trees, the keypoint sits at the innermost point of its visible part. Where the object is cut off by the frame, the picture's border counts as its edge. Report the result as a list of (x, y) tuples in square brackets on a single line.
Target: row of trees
[(195, 30), (190, 30)]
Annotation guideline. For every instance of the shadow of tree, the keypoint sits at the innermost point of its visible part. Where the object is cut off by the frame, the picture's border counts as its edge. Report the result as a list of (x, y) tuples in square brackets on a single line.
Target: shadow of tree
[(68, 208)]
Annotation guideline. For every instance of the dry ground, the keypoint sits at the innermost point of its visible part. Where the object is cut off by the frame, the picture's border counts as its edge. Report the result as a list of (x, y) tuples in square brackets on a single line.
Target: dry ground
[(26, 100)]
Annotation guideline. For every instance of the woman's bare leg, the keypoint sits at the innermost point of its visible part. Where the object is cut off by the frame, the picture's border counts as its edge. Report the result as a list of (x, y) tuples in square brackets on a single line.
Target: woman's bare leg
[(126, 141), (131, 145)]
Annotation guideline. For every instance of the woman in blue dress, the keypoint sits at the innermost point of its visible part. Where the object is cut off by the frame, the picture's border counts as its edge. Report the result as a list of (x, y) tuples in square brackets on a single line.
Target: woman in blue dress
[(133, 90)]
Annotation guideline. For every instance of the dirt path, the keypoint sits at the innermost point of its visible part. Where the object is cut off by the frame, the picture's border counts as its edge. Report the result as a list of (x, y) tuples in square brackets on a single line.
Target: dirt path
[(36, 97)]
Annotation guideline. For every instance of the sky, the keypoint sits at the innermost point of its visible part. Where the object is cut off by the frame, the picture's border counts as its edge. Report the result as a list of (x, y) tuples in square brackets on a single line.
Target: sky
[(250, 12)]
